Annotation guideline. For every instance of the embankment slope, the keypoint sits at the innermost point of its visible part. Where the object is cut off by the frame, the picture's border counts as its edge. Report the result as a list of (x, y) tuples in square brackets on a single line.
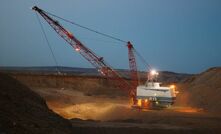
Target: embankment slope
[(202, 91), (24, 112)]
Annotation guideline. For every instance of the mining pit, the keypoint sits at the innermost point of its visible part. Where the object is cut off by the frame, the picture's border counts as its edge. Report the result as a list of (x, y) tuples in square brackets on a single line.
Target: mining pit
[(91, 104)]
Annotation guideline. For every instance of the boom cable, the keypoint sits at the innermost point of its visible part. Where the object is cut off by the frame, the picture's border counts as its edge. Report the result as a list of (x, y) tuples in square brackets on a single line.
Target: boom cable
[(143, 60), (92, 30), (48, 43)]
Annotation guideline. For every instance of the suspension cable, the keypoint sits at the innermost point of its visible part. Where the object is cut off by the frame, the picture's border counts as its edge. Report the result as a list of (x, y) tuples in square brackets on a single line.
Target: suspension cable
[(48, 43), (84, 27), (143, 60)]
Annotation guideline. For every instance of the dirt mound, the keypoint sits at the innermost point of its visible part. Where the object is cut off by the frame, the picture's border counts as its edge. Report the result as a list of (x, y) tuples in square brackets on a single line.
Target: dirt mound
[(203, 90), (23, 111)]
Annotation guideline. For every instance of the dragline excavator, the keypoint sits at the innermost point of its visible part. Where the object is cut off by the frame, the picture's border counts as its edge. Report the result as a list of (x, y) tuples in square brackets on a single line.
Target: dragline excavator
[(132, 88)]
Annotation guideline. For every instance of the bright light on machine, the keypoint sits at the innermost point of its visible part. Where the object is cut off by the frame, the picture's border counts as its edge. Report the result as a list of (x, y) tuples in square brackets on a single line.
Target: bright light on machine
[(139, 102), (146, 100), (101, 72), (77, 49), (174, 89), (154, 72), (172, 86)]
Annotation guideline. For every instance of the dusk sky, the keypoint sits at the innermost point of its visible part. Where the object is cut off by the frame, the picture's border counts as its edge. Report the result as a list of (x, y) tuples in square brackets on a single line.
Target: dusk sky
[(174, 35)]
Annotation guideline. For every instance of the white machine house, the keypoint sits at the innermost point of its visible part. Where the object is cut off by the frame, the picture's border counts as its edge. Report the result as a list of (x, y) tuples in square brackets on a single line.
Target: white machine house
[(153, 95)]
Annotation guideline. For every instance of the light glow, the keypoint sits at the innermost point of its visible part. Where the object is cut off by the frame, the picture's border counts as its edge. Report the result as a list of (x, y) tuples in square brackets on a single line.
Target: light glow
[(172, 86), (77, 49), (139, 102), (154, 72)]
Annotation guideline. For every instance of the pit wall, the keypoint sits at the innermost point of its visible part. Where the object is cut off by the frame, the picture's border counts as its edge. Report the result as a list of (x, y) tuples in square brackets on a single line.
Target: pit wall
[(87, 84)]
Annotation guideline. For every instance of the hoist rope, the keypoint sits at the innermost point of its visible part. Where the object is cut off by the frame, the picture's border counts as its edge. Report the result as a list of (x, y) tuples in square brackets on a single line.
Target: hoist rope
[(48, 43)]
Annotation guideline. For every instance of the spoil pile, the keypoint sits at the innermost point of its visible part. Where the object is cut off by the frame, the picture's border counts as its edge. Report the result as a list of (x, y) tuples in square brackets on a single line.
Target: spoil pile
[(204, 90), (23, 111)]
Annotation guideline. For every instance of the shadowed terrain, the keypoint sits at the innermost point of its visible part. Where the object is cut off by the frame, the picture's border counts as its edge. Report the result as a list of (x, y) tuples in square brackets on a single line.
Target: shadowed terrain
[(24, 112)]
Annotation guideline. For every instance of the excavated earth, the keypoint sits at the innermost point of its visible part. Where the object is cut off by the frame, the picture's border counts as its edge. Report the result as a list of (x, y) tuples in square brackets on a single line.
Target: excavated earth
[(92, 105), (24, 112)]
